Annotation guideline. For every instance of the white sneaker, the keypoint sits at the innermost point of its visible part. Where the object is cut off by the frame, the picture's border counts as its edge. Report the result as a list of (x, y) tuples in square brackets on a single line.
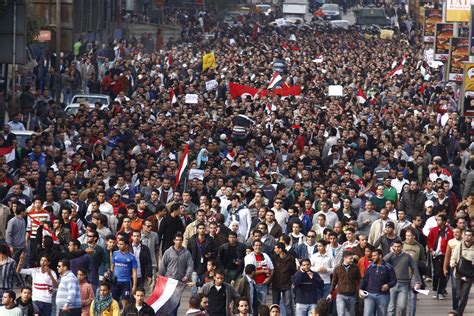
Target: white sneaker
[(440, 297)]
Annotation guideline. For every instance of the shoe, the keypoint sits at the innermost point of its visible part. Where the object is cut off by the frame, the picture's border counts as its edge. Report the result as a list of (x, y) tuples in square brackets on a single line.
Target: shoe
[(435, 296), (440, 297), (428, 279), (445, 293)]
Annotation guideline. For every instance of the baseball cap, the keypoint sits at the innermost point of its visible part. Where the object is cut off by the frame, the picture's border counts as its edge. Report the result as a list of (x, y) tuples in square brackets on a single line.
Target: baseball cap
[(429, 203), (390, 224)]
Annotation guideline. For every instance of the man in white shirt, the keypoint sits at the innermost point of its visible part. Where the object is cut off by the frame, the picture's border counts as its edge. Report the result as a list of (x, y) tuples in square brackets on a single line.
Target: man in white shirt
[(399, 181), (331, 217), (323, 263), (44, 282), (238, 212), (8, 302), (281, 215)]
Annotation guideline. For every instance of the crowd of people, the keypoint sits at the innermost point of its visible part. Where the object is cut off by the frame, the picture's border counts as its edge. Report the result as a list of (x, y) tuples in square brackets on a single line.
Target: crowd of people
[(328, 205)]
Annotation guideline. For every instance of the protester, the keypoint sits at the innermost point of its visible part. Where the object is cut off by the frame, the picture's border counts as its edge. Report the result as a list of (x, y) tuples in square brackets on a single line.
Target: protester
[(308, 287), (345, 279), (378, 280), (462, 254), (263, 149), (8, 307), (221, 295), (68, 297), (104, 304), (139, 307)]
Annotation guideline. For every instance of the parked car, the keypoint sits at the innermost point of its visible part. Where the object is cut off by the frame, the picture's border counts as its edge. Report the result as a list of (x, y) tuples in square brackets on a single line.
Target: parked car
[(22, 136), (331, 11), (90, 99), (368, 16)]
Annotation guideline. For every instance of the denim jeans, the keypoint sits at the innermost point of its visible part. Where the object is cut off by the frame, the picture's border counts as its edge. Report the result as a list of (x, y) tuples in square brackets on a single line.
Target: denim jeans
[(262, 290), (376, 302), (462, 294), (398, 299), (44, 308), (345, 305), (287, 300), (71, 312), (414, 297), (453, 288), (304, 309), (326, 288)]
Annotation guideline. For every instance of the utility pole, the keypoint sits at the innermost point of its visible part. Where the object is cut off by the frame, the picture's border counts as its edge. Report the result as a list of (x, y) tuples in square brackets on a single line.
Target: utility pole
[(14, 58), (58, 32)]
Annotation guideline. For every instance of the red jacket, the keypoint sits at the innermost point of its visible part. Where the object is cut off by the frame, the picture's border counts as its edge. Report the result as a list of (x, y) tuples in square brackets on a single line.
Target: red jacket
[(433, 235)]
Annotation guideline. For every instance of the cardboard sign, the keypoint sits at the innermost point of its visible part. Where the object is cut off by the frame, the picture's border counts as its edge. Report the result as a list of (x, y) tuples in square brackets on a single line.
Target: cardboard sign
[(211, 85), (191, 98), (196, 174), (335, 91), (386, 34)]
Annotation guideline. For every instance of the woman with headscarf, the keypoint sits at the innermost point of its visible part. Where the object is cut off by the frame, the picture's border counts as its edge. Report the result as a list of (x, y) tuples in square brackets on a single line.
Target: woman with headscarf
[(104, 304), (202, 157)]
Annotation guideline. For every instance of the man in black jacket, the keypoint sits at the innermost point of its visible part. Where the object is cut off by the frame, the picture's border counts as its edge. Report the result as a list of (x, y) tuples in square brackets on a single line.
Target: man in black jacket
[(170, 225), (142, 253), (308, 288), (230, 257), (25, 303), (202, 248), (284, 267), (139, 308), (412, 201)]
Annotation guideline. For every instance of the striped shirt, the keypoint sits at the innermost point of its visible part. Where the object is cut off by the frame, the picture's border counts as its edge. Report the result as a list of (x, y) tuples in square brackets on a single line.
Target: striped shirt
[(42, 284), (69, 292), (34, 218), (7, 270)]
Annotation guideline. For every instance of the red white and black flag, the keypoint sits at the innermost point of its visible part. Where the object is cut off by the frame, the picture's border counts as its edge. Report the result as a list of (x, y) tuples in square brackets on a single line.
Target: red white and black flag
[(9, 153), (166, 295), (182, 165)]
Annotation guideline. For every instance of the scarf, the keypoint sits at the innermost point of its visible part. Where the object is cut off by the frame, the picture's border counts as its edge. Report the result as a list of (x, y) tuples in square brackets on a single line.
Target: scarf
[(101, 303)]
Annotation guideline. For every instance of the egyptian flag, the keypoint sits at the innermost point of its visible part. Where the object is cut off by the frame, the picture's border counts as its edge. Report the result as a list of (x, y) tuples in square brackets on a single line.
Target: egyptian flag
[(173, 98), (166, 295), (231, 156), (255, 31), (394, 63), (8, 153), (182, 165), (170, 60), (238, 90), (275, 79), (361, 97), (284, 45), (395, 72)]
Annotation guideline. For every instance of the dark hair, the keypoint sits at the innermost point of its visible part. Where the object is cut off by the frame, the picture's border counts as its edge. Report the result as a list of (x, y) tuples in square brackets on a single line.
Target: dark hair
[(249, 269), (76, 242), (232, 233), (219, 271), (194, 302), (140, 289), (107, 285), (178, 235), (379, 251), (281, 246), (65, 262), (26, 287), (11, 293)]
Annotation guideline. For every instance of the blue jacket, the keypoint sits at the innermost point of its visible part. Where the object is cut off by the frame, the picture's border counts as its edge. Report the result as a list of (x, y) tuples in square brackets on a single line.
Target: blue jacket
[(307, 290), (376, 276), (301, 251)]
